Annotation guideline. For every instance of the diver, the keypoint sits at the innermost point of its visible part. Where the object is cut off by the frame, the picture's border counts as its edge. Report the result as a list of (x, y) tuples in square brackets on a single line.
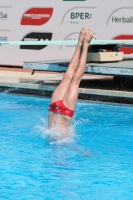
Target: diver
[(64, 98)]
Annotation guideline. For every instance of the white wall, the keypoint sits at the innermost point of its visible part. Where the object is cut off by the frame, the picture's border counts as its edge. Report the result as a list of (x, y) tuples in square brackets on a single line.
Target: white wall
[(97, 15)]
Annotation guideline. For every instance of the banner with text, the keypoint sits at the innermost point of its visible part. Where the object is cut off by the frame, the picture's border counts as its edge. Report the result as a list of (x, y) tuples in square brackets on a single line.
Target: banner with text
[(59, 20)]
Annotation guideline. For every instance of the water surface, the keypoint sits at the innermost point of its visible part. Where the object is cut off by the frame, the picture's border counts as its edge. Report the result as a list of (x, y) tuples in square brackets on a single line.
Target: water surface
[(33, 168)]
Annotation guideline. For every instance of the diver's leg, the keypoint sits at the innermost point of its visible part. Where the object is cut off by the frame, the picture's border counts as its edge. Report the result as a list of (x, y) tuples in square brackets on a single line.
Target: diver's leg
[(64, 84), (71, 95)]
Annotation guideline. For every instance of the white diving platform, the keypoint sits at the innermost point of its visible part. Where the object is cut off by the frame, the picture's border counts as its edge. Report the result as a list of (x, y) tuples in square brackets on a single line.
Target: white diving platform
[(104, 58), (99, 59), (121, 68)]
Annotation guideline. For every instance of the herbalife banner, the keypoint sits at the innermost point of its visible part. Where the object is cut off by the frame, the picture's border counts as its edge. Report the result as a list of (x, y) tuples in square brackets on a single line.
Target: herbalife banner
[(59, 20)]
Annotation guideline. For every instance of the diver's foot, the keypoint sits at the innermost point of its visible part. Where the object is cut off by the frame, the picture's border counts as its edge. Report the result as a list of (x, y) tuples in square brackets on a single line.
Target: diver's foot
[(88, 37), (81, 37)]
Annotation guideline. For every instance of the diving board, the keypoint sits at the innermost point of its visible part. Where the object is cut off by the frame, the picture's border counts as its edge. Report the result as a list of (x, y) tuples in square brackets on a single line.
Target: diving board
[(121, 68), (122, 43), (105, 66), (99, 60)]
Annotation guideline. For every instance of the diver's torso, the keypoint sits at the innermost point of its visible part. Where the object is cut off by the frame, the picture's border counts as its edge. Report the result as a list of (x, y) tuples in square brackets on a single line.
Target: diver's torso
[(58, 120)]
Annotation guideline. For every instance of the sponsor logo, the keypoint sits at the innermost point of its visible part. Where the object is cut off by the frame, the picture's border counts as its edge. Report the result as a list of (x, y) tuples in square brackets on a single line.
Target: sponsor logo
[(36, 36), (71, 36), (3, 15), (125, 37), (121, 16), (36, 16), (122, 19), (69, 39), (3, 38), (78, 15)]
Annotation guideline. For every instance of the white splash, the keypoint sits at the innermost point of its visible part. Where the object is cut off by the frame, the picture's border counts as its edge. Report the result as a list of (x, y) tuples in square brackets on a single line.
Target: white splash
[(53, 135), (64, 139)]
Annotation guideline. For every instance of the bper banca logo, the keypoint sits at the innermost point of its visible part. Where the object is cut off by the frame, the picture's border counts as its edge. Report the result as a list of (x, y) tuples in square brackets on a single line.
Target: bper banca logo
[(79, 15), (76, 16), (36, 36)]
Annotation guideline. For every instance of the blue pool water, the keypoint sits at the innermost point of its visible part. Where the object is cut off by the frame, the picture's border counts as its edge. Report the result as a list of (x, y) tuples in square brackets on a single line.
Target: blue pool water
[(33, 168)]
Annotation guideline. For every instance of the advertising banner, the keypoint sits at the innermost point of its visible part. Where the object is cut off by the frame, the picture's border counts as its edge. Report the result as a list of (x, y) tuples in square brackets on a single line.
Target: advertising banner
[(44, 20)]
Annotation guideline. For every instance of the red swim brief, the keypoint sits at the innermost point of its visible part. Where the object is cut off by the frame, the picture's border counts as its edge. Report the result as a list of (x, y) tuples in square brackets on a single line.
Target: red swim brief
[(59, 107)]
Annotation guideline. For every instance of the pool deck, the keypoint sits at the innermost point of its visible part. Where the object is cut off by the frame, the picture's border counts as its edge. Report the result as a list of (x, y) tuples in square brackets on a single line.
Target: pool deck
[(91, 85)]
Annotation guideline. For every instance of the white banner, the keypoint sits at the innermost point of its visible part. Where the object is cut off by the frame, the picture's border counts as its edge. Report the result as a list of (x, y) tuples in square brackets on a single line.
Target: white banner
[(59, 20)]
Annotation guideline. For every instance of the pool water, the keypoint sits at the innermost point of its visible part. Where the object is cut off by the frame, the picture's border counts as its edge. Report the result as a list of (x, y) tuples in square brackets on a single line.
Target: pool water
[(96, 164)]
